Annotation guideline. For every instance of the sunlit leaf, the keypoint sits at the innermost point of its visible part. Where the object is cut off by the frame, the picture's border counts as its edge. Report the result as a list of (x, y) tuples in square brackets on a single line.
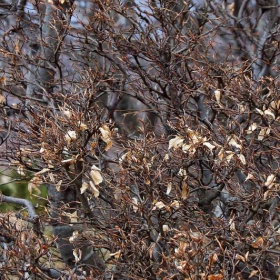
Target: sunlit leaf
[(242, 158), (251, 128), (176, 142), (263, 132), (169, 188), (159, 205), (269, 180), (70, 136), (58, 185), (165, 228), (234, 143), (269, 113), (74, 236), (229, 156), (96, 175), (77, 254), (84, 187), (175, 204), (106, 136), (209, 146), (135, 204), (253, 273), (94, 189)]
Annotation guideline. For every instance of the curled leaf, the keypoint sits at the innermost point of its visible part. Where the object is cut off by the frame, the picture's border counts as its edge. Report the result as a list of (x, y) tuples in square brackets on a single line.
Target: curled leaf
[(176, 142), (94, 189), (96, 175), (106, 136)]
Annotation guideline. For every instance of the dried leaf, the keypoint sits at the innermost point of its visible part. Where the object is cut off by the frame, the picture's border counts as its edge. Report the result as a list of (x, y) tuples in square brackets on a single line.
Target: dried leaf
[(165, 228), (185, 190), (176, 142), (218, 96), (159, 205), (82, 126), (94, 189), (258, 243), (74, 236), (106, 136), (269, 113), (77, 254), (67, 113), (234, 143), (215, 277), (229, 156), (175, 204), (84, 187), (249, 177), (135, 204), (58, 185), (240, 257), (269, 180), (34, 184), (251, 128), (253, 273), (169, 188), (263, 132), (116, 255), (70, 136), (242, 158), (2, 99), (96, 175), (209, 146)]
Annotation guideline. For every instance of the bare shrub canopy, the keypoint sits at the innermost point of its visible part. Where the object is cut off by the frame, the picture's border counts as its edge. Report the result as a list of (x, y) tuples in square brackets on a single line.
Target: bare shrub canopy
[(154, 126)]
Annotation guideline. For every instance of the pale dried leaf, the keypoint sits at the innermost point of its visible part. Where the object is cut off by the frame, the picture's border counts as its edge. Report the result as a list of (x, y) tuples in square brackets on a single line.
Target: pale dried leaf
[(242, 158), (67, 113), (169, 188), (94, 189), (135, 204), (82, 126), (2, 99), (159, 204), (74, 236), (269, 180), (84, 187), (240, 257), (249, 177), (175, 204), (106, 136), (185, 190), (259, 111), (34, 184), (96, 175), (234, 143), (269, 113), (229, 156), (209, 146), (252, 127), (165, 228), (77, 254), (58, 185), (176, 142), (70, 136)]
